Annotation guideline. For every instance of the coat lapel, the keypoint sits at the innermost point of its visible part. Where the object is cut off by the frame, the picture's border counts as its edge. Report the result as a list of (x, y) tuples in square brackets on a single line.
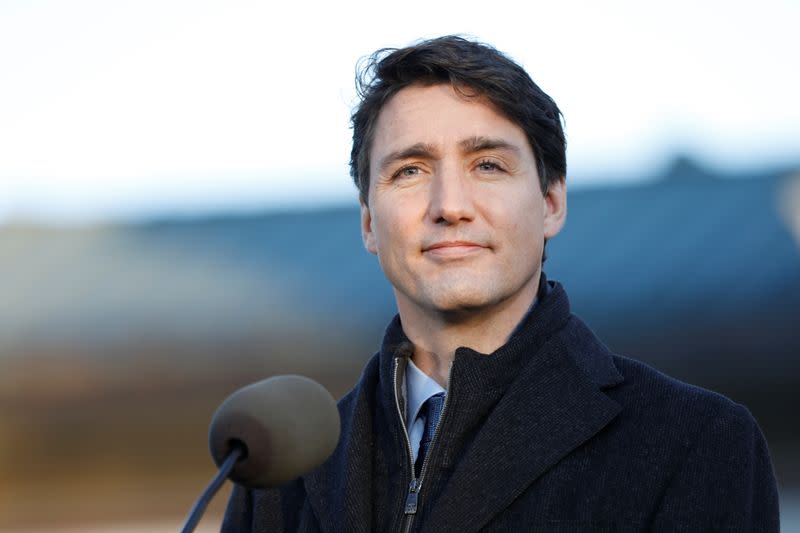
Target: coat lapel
[(340, 490), (553, 407)]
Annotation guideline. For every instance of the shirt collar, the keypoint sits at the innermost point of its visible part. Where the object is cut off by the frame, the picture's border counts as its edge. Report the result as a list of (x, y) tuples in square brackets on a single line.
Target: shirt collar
[(419, 387)]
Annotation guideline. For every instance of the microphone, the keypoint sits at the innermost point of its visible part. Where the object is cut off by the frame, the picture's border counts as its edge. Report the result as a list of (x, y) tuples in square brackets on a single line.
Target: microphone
[(268, 433), (287, 425)]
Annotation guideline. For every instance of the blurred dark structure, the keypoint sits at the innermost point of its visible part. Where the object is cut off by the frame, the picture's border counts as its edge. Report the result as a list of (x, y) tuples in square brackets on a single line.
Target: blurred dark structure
[(117, 342)]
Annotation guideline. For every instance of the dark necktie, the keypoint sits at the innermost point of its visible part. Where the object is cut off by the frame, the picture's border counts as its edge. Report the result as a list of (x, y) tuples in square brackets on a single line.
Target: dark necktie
[(431, 410)]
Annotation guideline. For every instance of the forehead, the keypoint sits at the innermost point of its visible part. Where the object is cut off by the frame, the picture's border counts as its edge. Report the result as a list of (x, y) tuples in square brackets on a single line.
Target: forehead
[(440, 115)]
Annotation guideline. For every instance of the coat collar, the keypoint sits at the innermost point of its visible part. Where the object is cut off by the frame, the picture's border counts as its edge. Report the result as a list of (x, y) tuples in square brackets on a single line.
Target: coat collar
[(553, 406), (512, 415), (549, 315)]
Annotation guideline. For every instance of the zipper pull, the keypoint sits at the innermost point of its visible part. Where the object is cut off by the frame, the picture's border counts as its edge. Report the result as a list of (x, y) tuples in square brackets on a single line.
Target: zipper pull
[(411, 498)]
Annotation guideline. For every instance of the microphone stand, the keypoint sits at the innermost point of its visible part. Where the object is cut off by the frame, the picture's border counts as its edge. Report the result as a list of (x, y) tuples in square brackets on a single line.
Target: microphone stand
[(236, 453)]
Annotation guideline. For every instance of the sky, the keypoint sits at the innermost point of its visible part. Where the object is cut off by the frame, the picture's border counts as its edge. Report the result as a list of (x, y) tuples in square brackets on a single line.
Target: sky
[(125, 109)]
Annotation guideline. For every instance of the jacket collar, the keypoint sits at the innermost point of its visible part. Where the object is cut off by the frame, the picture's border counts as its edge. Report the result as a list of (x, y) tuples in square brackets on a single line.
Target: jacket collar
[(512, 415), (540, 395), (554, 405), (548, 315)]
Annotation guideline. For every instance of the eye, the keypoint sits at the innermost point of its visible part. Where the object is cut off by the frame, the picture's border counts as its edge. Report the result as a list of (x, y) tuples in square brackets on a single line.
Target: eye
[(406, 172), (489, 165)]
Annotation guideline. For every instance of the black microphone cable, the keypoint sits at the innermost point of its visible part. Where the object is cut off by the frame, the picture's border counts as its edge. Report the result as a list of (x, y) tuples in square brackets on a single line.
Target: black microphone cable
[(237, 452)]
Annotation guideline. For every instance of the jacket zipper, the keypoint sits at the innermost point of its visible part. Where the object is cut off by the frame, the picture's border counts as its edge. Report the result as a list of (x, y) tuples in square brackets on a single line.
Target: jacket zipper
[(411, 498), (416, 483)]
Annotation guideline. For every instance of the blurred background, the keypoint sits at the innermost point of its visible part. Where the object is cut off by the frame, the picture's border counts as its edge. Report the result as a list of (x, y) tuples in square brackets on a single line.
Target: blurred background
[(177, 220)]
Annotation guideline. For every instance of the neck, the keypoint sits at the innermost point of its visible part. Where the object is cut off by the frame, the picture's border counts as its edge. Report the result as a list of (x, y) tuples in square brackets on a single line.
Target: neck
[(436, 335)]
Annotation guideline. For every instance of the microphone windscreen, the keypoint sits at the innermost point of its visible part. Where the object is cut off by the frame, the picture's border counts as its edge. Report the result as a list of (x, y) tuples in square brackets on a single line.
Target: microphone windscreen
[(288, 425)]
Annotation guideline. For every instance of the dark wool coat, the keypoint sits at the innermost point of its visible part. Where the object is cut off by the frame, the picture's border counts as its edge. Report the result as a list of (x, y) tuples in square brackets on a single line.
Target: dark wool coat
[(551, 432)]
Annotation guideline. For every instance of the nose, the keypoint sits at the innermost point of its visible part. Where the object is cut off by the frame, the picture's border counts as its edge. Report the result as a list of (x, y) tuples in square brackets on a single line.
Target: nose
[(451, 198)]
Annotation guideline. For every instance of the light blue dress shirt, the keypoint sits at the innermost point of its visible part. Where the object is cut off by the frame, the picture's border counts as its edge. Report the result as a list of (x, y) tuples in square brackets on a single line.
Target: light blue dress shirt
[(419, 387)]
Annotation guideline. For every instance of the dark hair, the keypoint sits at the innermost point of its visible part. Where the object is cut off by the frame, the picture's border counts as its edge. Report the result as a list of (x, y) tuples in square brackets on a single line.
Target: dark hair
[(475, 70)]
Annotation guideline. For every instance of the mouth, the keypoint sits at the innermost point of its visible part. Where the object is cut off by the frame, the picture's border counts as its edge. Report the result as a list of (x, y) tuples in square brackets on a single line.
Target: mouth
[(453, 248)]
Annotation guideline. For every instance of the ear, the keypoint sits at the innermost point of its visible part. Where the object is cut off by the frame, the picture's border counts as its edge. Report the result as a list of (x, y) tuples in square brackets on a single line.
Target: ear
[(367, 235), (555, 208)]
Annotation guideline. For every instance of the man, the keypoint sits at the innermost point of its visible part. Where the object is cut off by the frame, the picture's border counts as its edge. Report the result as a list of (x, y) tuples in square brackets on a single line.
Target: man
[(490, 406)]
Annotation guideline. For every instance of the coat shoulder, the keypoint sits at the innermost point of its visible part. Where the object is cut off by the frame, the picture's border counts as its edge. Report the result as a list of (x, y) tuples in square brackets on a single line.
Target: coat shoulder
[(716, 459), (646, 389), (678, 419)]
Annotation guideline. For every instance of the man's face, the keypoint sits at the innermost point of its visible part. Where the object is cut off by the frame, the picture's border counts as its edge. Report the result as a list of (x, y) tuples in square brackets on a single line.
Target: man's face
[(456, 214)]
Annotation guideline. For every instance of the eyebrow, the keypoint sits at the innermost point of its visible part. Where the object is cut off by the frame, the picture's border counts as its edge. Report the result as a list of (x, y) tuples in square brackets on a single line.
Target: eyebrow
[(423, 150), (469, 145), (481, 143)]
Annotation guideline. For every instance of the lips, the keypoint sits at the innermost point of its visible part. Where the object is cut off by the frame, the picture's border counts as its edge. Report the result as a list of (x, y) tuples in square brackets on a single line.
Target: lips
[(451, 244), (453, 248)]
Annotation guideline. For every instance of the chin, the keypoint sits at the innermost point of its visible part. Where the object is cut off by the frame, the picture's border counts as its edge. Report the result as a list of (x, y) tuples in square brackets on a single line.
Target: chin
[(464, 301)]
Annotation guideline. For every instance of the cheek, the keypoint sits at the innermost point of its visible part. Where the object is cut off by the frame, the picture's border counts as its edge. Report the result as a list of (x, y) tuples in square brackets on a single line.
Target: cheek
[(516, 215), (394, 215), (392, 234), (520, 228)]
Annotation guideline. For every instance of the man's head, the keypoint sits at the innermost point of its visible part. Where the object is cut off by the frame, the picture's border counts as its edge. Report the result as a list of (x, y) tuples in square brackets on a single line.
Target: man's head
[(453, 201), (475, 70)]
